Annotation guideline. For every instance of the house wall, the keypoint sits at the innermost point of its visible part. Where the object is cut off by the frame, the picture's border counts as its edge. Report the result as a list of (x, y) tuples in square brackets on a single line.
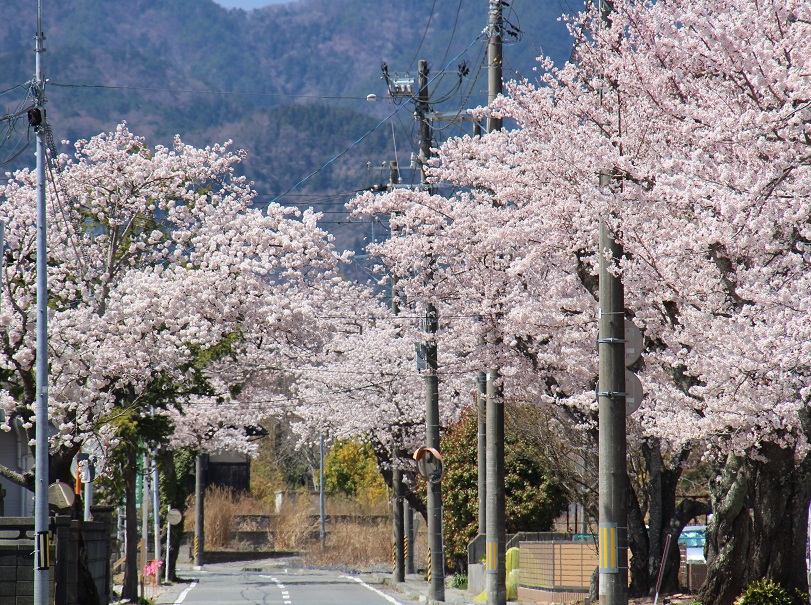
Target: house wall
[(229, 470), (18, 501)]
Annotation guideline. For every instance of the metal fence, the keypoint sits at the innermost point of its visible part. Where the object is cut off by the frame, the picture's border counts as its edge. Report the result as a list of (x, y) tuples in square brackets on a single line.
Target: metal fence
[(557, 565)]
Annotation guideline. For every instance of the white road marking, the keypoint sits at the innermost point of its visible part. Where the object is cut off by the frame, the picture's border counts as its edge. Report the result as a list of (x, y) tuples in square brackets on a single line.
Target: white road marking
[(285, 593), (390, 599), (184, 593)]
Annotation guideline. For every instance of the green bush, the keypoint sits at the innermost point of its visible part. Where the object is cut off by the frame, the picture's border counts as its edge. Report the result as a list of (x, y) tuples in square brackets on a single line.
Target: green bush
[(768, 592), (532, 491), (459, 581)]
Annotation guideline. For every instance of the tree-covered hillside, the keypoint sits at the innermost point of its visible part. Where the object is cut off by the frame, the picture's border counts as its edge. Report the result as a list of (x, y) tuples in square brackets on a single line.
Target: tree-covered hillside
[(287, 82)]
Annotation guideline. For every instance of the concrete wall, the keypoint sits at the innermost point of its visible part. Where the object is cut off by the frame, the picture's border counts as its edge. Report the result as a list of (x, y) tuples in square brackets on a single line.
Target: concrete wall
[(69, 541)]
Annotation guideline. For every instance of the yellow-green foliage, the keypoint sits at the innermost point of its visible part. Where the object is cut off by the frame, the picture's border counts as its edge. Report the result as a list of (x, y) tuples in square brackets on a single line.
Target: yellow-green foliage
[(768, 592), (350, 468)]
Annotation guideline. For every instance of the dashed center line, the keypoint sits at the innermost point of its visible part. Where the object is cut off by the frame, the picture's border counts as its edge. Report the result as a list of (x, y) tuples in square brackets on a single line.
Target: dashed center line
[(285, 593)]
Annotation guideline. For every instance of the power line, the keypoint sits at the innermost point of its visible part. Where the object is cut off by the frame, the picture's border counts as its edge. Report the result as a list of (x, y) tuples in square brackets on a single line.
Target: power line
[(424, 32), (453, 31), (7, 90), (373, 129), (204, 92)]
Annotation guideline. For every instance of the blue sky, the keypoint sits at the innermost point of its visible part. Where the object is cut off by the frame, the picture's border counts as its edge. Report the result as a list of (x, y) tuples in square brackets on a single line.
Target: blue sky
[(249, 4)]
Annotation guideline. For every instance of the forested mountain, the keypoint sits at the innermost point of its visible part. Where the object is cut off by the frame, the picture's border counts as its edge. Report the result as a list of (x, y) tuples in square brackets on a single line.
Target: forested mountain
[(287, 82)]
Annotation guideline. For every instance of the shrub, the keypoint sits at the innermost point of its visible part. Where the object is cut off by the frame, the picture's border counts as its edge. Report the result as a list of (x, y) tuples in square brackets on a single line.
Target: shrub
[(533, 494), (768, 592), (459, 581)]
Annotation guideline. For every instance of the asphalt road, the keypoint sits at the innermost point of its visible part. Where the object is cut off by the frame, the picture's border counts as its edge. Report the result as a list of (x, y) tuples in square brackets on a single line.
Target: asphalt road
[(249, 586)]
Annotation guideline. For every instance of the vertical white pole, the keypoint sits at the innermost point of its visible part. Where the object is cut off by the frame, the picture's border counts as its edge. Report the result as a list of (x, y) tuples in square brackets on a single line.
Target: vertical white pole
[(322, 502), (42, 544), (144, 524), (156, 513), (88, 501), (168, 549)]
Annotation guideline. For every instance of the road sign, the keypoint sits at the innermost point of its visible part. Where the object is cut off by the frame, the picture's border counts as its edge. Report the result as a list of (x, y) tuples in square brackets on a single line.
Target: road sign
[(633, 342), (633, 393)]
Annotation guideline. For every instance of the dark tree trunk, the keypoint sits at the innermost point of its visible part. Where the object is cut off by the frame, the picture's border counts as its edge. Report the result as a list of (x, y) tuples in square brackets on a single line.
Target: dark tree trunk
[(384, 465), (759, 525), (130, 587), (664, 518)]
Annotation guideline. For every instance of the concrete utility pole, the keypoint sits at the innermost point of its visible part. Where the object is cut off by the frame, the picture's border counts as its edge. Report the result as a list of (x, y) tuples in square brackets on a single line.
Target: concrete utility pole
[(435, 547), (494, 60), (42, 545), (322, 494), (399, 522), (199, 509), (88, 501), (613, 513), (156, 504), (398, 501), (612, 471), (495, 562), (145, 522), (496, 568), (481, 445), (156, 510), (408, 529)]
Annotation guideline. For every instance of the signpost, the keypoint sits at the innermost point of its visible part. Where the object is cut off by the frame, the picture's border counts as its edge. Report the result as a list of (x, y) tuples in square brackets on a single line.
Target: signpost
[(173, 517)]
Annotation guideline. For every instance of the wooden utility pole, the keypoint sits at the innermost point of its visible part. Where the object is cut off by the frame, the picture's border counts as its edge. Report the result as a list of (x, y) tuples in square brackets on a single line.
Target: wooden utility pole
[(495, 561)]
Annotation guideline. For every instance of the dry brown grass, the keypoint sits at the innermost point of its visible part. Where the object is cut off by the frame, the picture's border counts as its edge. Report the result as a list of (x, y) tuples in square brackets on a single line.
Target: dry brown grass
[(353, 544), (221, 504), (358, 542), (295, 525), (220, 508), (344, 505)]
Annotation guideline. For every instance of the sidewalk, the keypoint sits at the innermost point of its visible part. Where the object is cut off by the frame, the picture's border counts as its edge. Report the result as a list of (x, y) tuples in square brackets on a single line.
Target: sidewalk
[(165, 594), (416, 588)]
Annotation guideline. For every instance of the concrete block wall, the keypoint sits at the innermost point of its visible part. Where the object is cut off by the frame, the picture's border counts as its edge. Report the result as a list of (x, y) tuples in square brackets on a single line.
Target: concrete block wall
[(17, 572), (17, 560)]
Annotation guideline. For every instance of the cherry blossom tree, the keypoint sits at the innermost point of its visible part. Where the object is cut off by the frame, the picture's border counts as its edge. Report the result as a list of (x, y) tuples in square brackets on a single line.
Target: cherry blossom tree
[(698, 115), (157, 260), (365, 384)]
